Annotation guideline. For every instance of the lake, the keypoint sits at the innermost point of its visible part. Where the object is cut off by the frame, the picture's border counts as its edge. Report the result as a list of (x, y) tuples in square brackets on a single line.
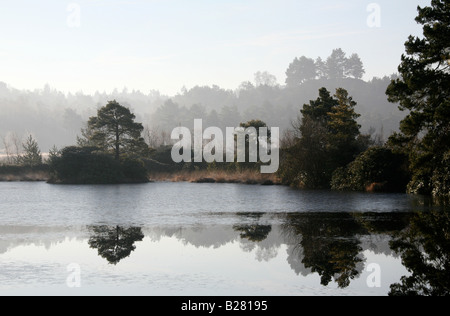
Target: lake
[(167, 238)]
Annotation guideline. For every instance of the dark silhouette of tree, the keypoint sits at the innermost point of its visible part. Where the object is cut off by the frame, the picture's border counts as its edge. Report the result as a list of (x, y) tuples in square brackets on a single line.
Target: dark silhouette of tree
[(321, 68), (336, 64), (327, 139), (306, 160), (344, 130), (336, 67), (300, 70), (354, 67), (423, 90), (115, 243), (114, 129), (330, 244), (252, 140), (254, 232), (424, 247), (318, 109)]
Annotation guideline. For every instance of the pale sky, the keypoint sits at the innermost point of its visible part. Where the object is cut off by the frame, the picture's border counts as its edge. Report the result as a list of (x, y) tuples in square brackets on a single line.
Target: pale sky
[(90, 45)]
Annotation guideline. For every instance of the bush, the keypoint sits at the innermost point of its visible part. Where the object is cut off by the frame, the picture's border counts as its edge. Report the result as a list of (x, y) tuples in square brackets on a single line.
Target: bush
[(24, 173), (134, 171), (376, 169), (86, 165)]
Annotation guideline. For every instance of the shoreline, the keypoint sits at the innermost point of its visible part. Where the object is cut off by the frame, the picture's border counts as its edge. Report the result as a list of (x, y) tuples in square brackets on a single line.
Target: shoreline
[(25, 177), (203, 176)]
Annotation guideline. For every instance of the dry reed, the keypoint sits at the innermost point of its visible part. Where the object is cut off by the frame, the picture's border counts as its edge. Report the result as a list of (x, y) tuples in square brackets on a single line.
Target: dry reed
[(217, 176)]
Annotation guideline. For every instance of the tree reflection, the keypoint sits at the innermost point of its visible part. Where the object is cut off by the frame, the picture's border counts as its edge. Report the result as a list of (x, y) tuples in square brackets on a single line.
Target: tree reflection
[(329, 245), (115, 243), (253, 232), (329, 242), (425, 249)]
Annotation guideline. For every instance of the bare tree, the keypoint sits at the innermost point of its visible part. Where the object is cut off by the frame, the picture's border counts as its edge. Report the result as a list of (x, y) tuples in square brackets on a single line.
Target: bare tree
[(17, 144), (7, 149), (151, 136), (12, 144)]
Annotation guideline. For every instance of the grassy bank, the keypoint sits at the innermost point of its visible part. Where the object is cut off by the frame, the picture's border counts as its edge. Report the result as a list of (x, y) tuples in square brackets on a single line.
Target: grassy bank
[(24, 173), (217, 176), (42, 173)]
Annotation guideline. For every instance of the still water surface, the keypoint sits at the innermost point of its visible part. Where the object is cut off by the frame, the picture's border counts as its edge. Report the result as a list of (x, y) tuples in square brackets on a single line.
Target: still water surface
[(199, 239)]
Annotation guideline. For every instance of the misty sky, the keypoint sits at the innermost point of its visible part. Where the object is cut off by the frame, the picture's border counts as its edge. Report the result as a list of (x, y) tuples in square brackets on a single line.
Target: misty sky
[(167, 44)]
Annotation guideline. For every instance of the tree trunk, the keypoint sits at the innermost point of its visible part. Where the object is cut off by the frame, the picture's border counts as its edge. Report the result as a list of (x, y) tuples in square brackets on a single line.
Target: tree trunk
[(117, 143)]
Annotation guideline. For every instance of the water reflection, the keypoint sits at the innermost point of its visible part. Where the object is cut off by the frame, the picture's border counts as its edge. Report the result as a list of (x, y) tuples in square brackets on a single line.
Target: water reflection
[(329, 244), (425, 249), (335, 246), (115, 243), (254, 232)]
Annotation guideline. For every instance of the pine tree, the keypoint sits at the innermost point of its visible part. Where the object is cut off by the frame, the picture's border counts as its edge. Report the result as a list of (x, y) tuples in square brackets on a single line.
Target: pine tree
[(344, 130), (424, 91), (336, 64), (32, 154), (327, 139), (114, 129), (300, 70)]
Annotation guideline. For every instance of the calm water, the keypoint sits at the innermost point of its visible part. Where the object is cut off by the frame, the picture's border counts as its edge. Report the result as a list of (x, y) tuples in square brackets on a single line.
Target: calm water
[(201, 239)]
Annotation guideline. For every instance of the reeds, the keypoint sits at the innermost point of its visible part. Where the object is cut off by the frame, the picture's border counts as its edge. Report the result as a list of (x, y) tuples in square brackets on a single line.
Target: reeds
[(217, 176), (25, 176)]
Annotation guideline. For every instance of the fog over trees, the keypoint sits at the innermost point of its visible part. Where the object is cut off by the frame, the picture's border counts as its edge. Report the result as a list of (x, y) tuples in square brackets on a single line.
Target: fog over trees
[(55, 118)]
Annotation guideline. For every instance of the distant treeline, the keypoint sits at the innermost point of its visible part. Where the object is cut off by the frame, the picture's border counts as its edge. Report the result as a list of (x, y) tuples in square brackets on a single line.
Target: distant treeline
[(328, 141), (55, 118)]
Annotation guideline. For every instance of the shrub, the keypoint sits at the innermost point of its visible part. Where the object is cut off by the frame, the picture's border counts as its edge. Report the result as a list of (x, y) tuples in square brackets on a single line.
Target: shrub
[(86, 165), (378, 168)]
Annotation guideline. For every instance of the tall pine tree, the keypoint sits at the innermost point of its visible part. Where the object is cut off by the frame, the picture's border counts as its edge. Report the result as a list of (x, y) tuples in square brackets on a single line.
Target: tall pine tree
[(344, 130), (114, 129), (423, 89), (327, 139)]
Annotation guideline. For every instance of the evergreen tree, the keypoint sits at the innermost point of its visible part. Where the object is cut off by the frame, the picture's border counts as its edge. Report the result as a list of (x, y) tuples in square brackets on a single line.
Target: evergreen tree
[(321, 68), (318, 109), (300, 70), (354, 67), (32, 154), (423, 90), (344, 130), (252, 140), (114, 129), (336, 64), (327, 139)]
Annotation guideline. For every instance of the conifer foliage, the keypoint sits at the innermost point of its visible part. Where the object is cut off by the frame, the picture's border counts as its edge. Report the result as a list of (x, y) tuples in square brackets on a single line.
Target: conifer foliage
[(423, 89)]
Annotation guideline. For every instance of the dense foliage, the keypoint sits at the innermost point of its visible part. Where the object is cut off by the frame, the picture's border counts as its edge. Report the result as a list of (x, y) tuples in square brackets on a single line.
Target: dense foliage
[(88, 165), (109, 152), (424, 247), (376, 169), (114, 130), (424, 91), (327, 138)]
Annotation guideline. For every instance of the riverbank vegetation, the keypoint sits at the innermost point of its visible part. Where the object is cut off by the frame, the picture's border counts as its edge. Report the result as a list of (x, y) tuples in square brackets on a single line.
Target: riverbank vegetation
[(328, 151), (324, 149), (218, 176)]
